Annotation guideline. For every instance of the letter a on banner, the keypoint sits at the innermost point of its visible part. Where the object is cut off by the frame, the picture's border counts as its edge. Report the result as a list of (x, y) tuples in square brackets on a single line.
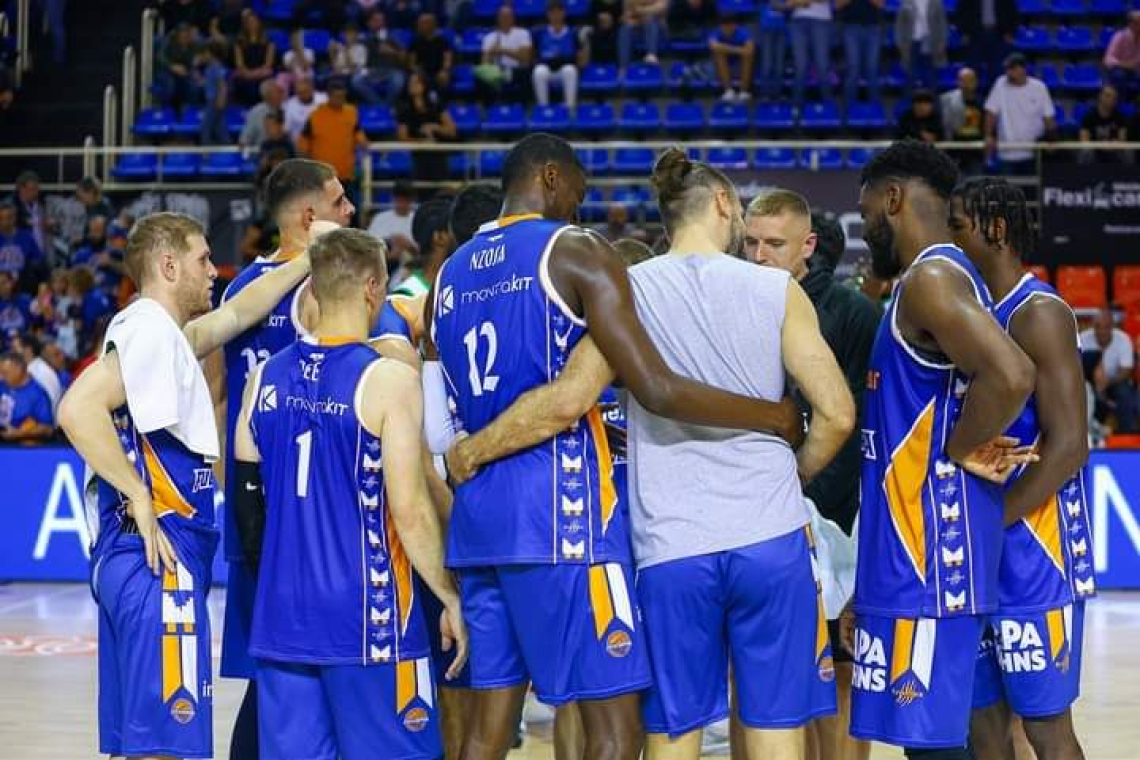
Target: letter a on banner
[(63, 490)]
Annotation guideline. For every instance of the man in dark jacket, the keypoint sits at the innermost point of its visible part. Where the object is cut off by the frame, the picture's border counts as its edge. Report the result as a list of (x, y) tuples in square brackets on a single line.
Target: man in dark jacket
[(781, 231), (987, 28)]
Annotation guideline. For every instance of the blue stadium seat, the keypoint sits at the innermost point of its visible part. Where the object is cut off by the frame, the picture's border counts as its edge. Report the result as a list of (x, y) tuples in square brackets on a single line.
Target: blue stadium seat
[(947, 76), (774, 158), (530, 11), (593, 208), (866, 116), (377, 120), (1074, 39), (316, 39), (1047, 73), (155, 122), (504, 119), (1113, 8), (470, 43), (954, 38), (825, 159), (278, 10), (235, 119), (640, 117), (403, 37), (491, 162), (688, 48), (857, 158), (633, 161), (222, 166), (772, 20), (181, 165), (633, 198), (280, 38), (1032, 39), (463, 79), (1032, 7), (643, 78), (820, 116), (681, 77), (394, 163), (726, 115), (136, 167), (552, 118), (595, 117), (457, 165), (684, 117), (774, 116), (597, 77), (894, 78), (1106, 34), (468, 118), (189, 124), (596, 161), (576, 9), (1082, 77), (1077, 114), (728, 158), (736, 8), (485, 10), (1068, 8)]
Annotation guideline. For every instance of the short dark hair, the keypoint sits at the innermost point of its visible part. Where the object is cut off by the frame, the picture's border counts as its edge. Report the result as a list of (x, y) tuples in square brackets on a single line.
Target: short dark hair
[(985, 199), (430, 217), (25, 177), (404, 189), (343, 257), (32, 342), (830, 242), (16, 358), (922, 96), (294, 178), (913, 159), (474, 206), (533, 151), (89, 185)]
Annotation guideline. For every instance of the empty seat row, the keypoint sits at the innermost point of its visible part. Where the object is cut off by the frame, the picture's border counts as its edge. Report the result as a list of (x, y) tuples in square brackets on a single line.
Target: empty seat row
[(148, 167), (1086, 287)]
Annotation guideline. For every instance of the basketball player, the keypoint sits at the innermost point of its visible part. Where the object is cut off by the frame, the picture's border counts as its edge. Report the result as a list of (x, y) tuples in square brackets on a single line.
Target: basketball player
[(945, 381), (1046, 572), (142, 419), (298, 193), (534, 536)]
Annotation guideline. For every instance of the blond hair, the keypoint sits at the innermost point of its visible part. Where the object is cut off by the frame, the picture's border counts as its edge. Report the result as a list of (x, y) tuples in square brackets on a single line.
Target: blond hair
[(155, 234), (343, 258), (775, 201)]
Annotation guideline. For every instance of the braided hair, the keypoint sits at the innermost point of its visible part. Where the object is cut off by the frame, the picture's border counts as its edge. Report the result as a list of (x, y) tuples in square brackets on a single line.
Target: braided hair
[(986, 199)]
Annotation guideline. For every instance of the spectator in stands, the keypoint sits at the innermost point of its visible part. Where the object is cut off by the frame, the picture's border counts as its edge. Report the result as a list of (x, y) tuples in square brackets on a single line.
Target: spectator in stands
[(862, 25), (326, 14), (1018, 109), (89, 192), (691, 20), (18, 249), (176, 60), (646, 16), (30, 212), (386, 60), (15, 308), (921, 121), (97, 252), (255, 56), (730, 43), (558, 57), (422, 118), (333, 134), (30, 347), (772, 42), (1103, 123), (253, 130), (87, 304), (987, 28), (276, 145), (25, 408), (349, 58), (920, 33), (298, 108), (215, 88), (617, 226), (402, 14), (810, 32), (601, 34), (55, 357), (394, 226), (962, 113), (225, 25), (508, 51), (431, 52), (50, 307), (299, 61), (196, 13), (1122, 58), (1116, 393)]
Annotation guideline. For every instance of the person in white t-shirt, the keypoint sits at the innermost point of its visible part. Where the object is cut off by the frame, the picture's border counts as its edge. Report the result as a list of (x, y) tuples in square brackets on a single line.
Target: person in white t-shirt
[(1118, 393), (1019, 109), (298, 108), (394, 226), (511, 49)]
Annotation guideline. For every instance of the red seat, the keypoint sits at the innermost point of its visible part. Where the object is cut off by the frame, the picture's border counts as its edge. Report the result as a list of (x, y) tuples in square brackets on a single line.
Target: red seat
[(1084, 287), (1123, 441), (1131, 323), (1126, 286), (1040, 272)]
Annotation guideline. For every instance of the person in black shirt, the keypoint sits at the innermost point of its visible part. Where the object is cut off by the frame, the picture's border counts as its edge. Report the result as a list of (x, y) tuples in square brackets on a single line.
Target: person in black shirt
[(196, 13), (603, 30), (431, 52), (987, 28), (691, 20), (1104, 123), (422, 118), (922, 121)]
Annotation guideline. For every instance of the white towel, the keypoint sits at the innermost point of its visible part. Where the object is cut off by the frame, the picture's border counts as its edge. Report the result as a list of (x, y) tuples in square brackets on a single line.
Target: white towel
[(165, 385), (835, 556)]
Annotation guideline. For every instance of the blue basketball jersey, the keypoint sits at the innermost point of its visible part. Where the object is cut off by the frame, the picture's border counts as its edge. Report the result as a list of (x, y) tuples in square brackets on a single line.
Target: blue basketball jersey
[(613, 415), (501, 330), (930, 533), (335, 584), (280, 328), (396, 320), (1047, 558)]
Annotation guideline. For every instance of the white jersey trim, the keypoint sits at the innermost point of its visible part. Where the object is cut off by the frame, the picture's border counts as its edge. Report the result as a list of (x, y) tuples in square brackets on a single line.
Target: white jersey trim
[(548, 284)]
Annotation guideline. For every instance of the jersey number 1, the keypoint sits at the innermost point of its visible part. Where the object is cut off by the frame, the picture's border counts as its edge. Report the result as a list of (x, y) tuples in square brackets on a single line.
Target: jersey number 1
[(304, 450), (489, 382)]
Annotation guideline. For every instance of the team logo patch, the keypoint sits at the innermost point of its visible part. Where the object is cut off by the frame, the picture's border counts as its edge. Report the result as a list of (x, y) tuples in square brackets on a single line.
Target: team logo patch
[(618, 644), (416, 719), (827, 669), (908, 692), (182, 710), (446, 300), (267, 398)]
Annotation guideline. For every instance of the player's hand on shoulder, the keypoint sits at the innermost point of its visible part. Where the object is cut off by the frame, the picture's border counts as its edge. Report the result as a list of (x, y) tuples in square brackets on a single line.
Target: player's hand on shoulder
[(997, 460), (454, 632), (320, 227)]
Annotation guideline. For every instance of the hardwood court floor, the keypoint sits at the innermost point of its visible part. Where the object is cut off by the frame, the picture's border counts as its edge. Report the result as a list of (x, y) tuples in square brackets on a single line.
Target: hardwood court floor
[(47, 678)]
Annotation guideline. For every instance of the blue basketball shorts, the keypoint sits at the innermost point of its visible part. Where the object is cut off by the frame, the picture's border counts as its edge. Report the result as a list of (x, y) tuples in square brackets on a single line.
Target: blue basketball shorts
[(241, 588), (574, 631), (913, 679), (440, 660), (757, 607), (155, 690), (1034, 661), (351, 712)]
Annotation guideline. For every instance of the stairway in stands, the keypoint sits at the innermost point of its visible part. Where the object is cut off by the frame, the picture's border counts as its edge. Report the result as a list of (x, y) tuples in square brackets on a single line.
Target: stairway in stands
[(59, 105)]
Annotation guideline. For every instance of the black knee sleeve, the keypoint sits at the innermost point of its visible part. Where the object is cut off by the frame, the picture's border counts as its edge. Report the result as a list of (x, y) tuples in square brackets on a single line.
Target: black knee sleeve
[(952, 753)]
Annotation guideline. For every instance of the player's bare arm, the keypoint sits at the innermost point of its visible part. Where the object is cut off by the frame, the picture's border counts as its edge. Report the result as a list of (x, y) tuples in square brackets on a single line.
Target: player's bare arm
[(810, 362), (400, 350), (1045, 330), (593, 281), (938, 310), (85, 415), (249, 506), (394, 413)]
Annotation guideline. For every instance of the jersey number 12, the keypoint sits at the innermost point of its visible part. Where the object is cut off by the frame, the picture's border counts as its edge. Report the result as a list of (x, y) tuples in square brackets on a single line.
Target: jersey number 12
[(488, 382)]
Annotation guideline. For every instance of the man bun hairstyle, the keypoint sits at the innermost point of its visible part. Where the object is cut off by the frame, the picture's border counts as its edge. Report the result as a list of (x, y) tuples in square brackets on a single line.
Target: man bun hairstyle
[(683, 186)]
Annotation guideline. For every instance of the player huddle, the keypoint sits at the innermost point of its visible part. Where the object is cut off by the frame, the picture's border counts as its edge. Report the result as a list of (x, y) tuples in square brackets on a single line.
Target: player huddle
[(618, 574)]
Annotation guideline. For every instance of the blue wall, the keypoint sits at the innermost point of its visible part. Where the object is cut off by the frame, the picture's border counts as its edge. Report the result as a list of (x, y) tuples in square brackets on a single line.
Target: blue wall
[(43, 534)]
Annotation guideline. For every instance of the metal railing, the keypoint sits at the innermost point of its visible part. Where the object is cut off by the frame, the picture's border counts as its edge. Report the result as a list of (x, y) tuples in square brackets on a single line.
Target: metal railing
[(23, 52), (130, 93), (110, 128), (146, 57)]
